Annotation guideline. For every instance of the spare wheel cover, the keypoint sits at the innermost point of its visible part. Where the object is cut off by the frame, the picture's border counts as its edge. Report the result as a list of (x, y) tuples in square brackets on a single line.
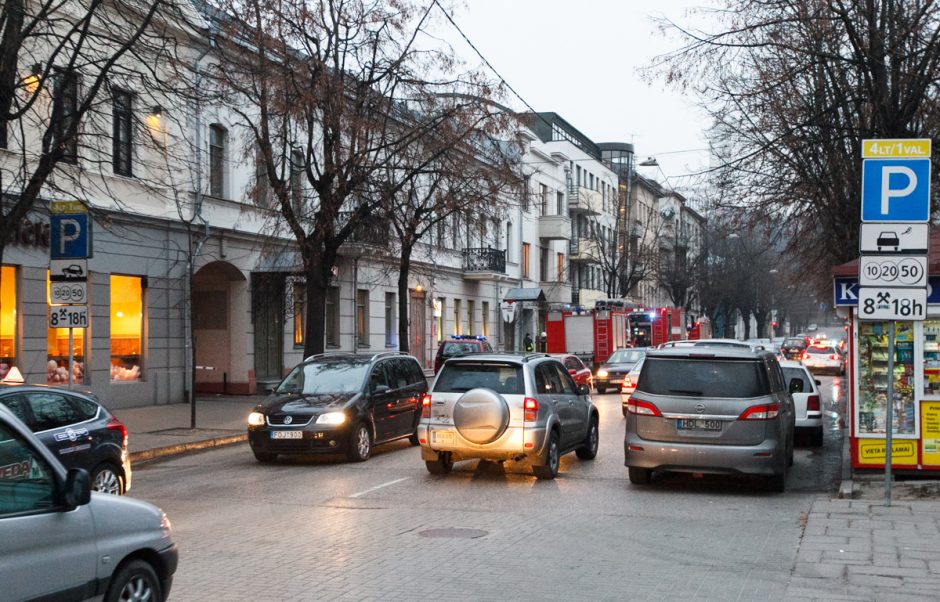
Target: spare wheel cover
[(481, 415)]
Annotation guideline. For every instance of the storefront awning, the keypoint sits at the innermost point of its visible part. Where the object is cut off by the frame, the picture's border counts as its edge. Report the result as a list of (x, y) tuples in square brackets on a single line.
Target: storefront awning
[(525, 294)]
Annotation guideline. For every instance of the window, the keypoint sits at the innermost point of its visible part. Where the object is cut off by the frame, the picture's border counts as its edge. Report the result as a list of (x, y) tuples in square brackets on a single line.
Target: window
[(298, 298), (7, 319), (65, 106), (508, 238), (390, 333), (332, 316), (560, 267), (525, 194), (560, 203), (457, 329), (486, 319), (470, 308), (27, 483), (57, 351), (525, 259), (217, 142), (543, 198), (362, 318), (127, 323), (442, 307), (543, 264), (122, 133)]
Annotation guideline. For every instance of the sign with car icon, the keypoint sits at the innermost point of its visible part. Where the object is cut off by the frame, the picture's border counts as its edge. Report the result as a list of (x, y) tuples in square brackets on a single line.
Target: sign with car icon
[(893, 238)]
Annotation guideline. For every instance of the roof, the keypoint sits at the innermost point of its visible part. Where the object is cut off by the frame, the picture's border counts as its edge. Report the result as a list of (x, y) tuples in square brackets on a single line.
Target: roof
[(525, 294), (850, 268), (700, 351)]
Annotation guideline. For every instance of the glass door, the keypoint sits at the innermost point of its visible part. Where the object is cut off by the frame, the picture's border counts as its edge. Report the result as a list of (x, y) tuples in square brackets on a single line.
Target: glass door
[(873, 379)]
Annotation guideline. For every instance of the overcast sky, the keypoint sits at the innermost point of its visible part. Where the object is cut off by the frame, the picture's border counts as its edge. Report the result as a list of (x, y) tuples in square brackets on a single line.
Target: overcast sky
[(579, 59)]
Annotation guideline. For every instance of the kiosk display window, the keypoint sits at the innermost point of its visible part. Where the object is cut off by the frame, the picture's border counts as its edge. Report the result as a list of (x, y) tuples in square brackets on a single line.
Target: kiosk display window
[(873, 378), (932, 358)]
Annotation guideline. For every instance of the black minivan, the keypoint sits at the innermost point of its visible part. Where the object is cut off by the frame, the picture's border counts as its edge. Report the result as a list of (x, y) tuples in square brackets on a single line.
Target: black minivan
[(340, 402), (79, 431)]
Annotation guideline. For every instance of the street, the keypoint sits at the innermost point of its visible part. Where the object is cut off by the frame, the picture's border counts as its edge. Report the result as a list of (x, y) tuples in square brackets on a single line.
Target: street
[(321, 528)]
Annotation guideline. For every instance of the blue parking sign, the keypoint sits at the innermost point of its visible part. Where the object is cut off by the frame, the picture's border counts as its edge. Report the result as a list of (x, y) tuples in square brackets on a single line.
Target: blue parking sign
[(896, 190), (69, 236)]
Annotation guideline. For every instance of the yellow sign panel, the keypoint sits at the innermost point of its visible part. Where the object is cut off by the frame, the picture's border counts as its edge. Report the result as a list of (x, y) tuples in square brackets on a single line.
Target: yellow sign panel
[(896, 148), (872, 451), (930, 432), (67, 207)]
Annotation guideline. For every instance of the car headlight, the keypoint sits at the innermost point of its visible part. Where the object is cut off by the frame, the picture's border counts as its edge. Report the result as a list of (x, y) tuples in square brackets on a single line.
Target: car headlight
[(256, 419), (331, 418), (602, 373)]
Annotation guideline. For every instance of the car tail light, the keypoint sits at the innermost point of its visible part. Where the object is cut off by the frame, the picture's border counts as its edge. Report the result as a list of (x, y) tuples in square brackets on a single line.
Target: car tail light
[(805, 355), (833, 357), (115, 425), (767, 411), (812, 403), (643, 408), (531, 409), (425, 405)]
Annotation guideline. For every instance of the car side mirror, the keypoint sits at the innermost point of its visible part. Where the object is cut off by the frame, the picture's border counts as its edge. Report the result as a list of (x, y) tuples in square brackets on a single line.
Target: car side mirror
[(77, 489), (271, 389), (818, 382), (584, 389), (381, 389), (796, 385)]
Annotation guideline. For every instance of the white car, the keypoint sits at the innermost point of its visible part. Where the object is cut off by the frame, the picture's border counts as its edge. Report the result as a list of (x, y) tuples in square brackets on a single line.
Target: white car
[(823, 357), (806, 400)]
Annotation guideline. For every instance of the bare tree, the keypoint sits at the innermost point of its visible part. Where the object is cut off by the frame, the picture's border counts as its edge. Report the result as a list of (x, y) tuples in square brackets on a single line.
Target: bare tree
[(793, 88)]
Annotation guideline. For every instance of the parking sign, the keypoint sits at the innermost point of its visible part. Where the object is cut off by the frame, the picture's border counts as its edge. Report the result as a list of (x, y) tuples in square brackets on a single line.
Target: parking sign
[(896, 190)]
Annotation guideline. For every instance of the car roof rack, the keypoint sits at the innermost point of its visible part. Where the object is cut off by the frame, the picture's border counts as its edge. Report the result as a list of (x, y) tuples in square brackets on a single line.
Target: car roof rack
[(388, 353), (532, 356)]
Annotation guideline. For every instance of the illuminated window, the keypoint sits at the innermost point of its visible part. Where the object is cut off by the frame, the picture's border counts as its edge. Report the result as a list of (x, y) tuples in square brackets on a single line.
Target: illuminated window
[(362, 318), (299, 308), (127, 324), (7, 319), (457, 328), (525, 259), (57, 351), (486, 319), (470, 310), (439, 313)]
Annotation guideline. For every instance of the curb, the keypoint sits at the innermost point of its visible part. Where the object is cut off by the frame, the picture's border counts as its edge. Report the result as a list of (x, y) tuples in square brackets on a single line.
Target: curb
[(846, 487), (185, 448)]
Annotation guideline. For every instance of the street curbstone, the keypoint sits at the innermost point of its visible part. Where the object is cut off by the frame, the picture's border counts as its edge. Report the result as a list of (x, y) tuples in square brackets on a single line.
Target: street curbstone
[(179, 449)]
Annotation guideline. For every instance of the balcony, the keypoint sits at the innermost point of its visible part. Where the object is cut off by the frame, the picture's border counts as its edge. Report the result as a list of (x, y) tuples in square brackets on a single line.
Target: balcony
[(369, 236), (584, 249), (555, 227), (584, 200), (484, 264)]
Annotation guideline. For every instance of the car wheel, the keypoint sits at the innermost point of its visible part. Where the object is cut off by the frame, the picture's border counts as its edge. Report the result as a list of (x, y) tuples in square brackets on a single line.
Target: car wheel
[(135, 580), (601, 389), (443, 465), (264, 457), (816, 437), (589, 450), (360, 443), (413, 437), (640, 476), (106, 478), (549, 470)]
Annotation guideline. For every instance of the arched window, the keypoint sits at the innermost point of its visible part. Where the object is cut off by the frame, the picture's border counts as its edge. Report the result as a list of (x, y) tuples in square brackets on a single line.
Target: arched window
[(218, 139)]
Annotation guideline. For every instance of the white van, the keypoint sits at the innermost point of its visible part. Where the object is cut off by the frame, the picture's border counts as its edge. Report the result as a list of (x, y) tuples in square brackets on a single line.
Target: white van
[(61, 541)]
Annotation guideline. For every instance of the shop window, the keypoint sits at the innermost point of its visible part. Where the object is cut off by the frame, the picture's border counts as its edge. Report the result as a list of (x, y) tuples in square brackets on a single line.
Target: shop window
[(299, 307), (7, 319), (873, 378), (127, 322), (457, 329), (486, 319), (57, 352)]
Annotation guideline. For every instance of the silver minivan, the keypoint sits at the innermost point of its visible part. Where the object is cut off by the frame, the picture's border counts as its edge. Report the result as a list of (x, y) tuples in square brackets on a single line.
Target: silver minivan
[(62, 541), (710, 410)]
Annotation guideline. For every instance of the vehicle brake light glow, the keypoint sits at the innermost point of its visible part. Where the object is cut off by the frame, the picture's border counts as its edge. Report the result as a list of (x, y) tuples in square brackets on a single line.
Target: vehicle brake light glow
[(767, 411), (425, 405), (812, 403), (833, 357), (642, 408), (116, 425), (805, 355), (531, 409)]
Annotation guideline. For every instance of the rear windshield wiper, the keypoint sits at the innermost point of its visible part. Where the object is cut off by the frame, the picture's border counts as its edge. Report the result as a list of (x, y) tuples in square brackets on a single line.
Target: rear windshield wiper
[(686, 391)]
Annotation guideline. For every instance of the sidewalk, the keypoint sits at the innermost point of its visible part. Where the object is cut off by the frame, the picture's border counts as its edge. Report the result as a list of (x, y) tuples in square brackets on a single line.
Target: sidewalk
[(162, 431)]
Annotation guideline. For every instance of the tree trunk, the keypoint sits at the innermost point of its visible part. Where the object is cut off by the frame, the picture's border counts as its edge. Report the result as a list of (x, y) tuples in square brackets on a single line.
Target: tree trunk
[(317, 270), (761, 317), (404, 269)]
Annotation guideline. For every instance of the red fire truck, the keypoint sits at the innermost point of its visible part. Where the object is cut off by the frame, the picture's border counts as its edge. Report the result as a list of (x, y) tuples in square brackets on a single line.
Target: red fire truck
[(592, 335)]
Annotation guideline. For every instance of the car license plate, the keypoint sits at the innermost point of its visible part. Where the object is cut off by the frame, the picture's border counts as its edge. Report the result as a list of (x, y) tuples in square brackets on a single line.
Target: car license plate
[(287, 434), (442, 437), (699, 425)]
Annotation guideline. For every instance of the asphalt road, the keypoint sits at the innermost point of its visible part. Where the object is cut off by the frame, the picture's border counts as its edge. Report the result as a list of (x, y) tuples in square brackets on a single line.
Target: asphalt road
[(317, 527)]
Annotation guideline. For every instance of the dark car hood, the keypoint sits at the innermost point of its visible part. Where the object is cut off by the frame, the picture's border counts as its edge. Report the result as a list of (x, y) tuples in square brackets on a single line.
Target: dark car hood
[(305, 404)]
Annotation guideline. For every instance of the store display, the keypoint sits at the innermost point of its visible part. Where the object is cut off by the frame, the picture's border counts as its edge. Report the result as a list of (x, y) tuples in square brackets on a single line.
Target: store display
[(58, 371), (873, 378), (931, 358)]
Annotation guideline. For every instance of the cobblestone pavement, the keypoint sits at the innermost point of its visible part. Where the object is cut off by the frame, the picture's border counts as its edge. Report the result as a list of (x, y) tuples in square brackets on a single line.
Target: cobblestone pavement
[(319, 528)]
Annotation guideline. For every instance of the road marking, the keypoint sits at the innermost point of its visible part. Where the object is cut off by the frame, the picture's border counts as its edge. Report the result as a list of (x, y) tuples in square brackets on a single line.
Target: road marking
[(371, 489)]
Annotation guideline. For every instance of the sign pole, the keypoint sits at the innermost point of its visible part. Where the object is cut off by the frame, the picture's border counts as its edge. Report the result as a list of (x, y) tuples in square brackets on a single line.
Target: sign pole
[(889, 415), (71, 357)]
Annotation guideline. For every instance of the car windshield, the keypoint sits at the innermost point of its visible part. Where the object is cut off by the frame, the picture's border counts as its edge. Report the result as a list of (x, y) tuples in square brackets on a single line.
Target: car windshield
[(703, 378), (316, 378), (794, 343), (452, 349), (820, 350), (625, 356), (505, 379)]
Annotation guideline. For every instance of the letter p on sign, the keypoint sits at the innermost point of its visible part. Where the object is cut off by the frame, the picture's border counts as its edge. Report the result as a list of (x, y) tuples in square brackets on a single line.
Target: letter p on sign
[(895, 190)]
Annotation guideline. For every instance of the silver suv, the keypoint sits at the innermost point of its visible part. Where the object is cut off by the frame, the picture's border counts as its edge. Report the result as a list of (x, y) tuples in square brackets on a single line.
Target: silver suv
[(506, 407), (710, 410)]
